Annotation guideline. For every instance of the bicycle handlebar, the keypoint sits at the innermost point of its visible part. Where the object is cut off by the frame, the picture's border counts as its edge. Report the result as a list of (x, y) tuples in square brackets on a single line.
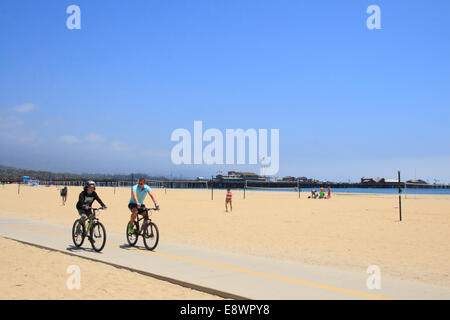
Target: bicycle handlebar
[(97, 209), (147, 210)]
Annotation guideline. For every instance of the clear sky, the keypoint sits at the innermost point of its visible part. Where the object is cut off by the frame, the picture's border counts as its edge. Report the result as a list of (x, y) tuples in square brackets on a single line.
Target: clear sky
[(348, 101)]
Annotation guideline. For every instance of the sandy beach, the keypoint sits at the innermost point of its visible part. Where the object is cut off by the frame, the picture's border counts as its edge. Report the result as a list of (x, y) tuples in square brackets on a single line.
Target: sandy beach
[(348, 231), (46, 276)]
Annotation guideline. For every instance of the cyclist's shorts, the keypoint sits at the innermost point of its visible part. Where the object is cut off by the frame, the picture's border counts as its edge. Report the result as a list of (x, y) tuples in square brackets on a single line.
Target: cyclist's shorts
[(87, 213), (131, 206)]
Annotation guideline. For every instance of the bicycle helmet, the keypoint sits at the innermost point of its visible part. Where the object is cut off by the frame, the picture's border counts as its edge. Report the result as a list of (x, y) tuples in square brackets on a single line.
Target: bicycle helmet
[(90, 184)]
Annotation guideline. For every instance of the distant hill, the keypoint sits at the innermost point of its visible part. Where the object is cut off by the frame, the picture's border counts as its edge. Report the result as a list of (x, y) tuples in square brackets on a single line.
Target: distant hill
[(15, 174)]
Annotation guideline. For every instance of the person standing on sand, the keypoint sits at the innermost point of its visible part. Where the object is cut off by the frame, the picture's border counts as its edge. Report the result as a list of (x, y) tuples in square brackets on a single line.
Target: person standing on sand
[(329, 191), (64, 195), (228, 200)]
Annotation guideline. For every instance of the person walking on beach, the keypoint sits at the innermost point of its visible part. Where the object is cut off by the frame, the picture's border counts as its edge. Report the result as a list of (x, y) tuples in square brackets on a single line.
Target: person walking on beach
[(64, 195), (86, 198), (228, 200), (329, 191), (138, 193)]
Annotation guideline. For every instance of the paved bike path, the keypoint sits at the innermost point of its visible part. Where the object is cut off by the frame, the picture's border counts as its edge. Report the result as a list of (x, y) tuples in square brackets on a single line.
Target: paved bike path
[(227, 274)]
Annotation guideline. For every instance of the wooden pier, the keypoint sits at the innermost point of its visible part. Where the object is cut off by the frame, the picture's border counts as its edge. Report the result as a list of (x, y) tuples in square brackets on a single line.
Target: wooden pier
[(241, 184)]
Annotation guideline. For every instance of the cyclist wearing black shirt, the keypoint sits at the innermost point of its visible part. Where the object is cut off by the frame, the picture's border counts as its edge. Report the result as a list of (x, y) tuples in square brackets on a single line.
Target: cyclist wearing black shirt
[(86, 198)]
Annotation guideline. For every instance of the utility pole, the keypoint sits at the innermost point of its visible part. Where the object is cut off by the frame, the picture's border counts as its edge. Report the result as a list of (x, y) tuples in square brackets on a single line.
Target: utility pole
[(245, 187), (399, 196)]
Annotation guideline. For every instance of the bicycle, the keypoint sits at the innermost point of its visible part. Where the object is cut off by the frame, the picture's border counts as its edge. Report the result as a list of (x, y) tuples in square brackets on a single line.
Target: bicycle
[(148, 230), (95, 231)]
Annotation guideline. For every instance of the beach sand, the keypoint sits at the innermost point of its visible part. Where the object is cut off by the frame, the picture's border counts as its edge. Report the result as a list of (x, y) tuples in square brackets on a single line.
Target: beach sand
[(28, 272), (348, 231)]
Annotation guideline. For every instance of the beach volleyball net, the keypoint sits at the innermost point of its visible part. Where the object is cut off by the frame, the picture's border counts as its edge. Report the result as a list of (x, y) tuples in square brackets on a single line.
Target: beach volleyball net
[(289, 187), (185, 184), (169, 184), (165, 185), (254, 188), (424, 191)]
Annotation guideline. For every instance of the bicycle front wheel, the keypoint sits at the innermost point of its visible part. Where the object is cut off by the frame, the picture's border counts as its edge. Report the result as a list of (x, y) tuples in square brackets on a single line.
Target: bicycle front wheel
[(132, 238), (78, 233), (151, 236), (98, 236)]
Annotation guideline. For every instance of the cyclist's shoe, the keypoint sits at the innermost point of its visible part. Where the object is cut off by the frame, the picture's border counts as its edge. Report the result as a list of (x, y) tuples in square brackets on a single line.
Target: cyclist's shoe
[(146, 235), (130, 229)]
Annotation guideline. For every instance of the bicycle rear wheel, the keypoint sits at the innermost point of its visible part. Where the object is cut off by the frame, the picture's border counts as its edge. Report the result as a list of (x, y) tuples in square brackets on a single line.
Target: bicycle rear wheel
[(78, 233), (132, 238), (98, 236), (151, 236)]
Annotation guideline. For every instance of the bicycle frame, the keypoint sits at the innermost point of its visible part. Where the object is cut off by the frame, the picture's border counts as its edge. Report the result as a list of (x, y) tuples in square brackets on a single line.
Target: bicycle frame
[(92, 218), (144, 216), (91, 222)]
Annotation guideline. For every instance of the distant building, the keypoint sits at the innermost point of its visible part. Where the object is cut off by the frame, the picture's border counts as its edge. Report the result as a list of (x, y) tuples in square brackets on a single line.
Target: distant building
[(235, 176), (288, 178), (379, 180), (391, 182), (416, 181), (367, 180), (251, 176), (228, 177)]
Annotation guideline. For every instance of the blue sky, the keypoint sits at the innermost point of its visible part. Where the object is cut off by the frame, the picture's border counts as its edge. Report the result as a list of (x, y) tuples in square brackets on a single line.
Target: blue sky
[(348, 101)]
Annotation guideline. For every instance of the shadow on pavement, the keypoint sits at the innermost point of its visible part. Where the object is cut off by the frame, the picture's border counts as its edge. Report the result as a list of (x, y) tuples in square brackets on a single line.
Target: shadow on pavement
[(72, 248), (127, 246)]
